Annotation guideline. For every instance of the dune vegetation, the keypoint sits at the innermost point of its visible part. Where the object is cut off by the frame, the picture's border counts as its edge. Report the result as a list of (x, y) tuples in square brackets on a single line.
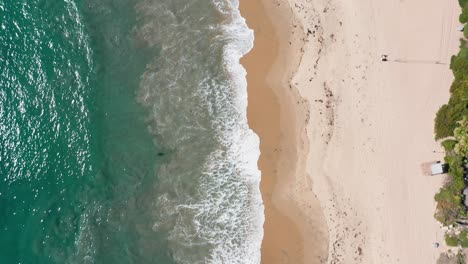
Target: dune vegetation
[(451, 126)]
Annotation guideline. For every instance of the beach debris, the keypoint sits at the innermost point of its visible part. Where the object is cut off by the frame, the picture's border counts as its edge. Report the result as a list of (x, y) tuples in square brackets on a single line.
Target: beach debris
[(435, 245), (461, 28)]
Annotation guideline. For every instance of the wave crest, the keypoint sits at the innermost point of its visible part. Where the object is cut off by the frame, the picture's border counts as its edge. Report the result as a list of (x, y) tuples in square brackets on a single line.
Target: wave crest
[(196, 91)]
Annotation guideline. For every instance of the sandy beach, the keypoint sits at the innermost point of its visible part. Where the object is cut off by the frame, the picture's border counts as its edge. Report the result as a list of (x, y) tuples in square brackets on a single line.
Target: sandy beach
[(293, 233), (339, 125)]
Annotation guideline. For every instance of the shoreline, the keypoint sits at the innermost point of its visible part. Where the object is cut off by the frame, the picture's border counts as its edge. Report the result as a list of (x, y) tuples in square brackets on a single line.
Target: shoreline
[(294, 229)]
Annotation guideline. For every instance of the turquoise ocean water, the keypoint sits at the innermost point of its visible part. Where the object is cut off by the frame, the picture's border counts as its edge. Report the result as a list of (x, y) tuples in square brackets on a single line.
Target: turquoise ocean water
[(123, 133)]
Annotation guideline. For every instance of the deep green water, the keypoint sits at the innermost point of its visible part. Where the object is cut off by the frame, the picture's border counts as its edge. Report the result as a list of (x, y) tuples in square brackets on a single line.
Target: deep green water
[(75, 151), (123, 136)]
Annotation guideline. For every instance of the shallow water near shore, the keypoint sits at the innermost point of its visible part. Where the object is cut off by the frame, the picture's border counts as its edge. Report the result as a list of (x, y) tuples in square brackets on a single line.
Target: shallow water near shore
[(123, 133)]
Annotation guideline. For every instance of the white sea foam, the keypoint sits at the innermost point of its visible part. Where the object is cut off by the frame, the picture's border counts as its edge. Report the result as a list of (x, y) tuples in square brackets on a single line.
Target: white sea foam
[(243, 142), (209, 203)]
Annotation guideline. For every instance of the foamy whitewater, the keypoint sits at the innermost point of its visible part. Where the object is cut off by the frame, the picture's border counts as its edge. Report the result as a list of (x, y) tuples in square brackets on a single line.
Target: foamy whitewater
[(124, 133), (209, 188)]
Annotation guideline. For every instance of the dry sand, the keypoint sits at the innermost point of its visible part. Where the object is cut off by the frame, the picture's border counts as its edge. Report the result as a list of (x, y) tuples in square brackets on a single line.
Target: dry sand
[(374, 127), (358, 130)]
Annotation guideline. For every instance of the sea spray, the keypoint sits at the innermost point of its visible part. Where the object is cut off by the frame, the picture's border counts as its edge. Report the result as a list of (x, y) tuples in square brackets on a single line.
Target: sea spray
[(196, 91)]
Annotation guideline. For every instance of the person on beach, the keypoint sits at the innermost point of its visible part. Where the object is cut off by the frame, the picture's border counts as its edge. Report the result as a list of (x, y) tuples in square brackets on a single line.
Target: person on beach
[(384, 58)]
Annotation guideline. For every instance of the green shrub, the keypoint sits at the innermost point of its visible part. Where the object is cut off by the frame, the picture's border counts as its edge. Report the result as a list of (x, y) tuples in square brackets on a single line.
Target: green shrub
[(460, 240), (449, 144), (449, 206), (457, 107), (449, 198), (464, 53), (451, 120), (451, 241), (455, 163), (462, 44), (463, 239), (463, 18), (461, 135), (464, 14), (444, 124)]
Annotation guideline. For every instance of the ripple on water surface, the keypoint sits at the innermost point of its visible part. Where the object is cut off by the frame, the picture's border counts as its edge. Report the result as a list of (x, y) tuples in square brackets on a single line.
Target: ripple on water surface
[(123, 133)]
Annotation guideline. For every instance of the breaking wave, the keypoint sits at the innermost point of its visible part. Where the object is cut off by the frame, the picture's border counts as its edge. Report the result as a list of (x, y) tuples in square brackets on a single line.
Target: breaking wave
[(196, 93)]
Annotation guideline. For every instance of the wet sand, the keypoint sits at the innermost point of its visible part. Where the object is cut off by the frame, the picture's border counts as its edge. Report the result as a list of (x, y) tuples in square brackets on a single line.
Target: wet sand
[(276, 113)]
